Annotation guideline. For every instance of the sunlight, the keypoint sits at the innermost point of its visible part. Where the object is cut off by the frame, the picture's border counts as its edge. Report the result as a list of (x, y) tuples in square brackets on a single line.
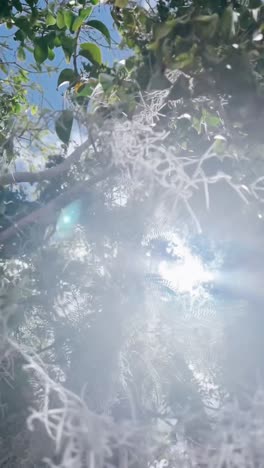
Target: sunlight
[(187, 272), (66, 219)]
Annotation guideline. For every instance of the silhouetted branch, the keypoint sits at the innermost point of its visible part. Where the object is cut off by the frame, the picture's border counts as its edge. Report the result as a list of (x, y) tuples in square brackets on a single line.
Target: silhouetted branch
[(48, 214), (47, 174)]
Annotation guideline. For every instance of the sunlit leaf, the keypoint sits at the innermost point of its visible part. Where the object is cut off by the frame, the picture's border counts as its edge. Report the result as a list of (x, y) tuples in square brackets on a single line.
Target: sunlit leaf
[(85, 12), (77, 23), (57, 41), (69, 18), (60, 19), (67, 55), (51, 54), (96, 24), (211, 119), (33, 110), (92, 52), (50, 20), (63, 126), (121, 3)]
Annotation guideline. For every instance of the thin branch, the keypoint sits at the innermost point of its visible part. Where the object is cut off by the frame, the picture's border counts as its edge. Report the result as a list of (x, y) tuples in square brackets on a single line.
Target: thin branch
[(75, 55), (47, 174), (47, 348), (48, 214), (26, 69)]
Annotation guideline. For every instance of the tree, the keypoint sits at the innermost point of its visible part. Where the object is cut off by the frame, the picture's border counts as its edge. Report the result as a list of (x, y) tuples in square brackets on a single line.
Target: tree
[(110, 354)]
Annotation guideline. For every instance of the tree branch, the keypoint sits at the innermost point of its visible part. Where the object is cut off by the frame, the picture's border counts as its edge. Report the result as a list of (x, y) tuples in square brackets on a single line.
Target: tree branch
[(47, 174), (48, 214)]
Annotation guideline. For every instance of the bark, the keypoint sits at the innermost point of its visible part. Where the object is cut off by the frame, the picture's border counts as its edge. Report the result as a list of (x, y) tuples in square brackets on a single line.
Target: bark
[(47, 174)]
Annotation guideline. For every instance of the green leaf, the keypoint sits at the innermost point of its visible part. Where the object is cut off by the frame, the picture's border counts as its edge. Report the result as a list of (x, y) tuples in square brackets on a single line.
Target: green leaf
[(161, 30), (96, 24), (22, 23), (41, 51), (226, 25), (121, 3), (63, 126), (33, 109), (50, 39), (60, 19), (69, 18), (182, 61), (86, 91), (85, 12), (24, 76), (255, 4), (94, 2), (92, 52), (57, 41), (16, 108), (206, 25), (50, 20), (21, 54), (66, 76), (51, 54), (77, 23), (68, 46), (3, 68), (9, 24), (18, 5), (19, 36), (30, 3), (67, 55), (106, 81), (210, 119)]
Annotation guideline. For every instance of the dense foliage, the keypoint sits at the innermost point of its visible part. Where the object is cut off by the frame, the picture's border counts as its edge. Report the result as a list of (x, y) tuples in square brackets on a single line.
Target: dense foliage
[(131, 240)]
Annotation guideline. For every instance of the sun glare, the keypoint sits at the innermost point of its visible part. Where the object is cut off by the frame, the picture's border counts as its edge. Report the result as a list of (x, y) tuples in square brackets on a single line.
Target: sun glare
[(66, 219), (186, 273)]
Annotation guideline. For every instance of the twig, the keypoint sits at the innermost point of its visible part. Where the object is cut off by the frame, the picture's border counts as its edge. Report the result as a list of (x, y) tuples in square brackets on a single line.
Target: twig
[(50, 346)]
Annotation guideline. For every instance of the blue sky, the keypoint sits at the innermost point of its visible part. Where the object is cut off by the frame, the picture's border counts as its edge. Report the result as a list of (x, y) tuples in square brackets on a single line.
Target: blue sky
[(54, 97), (51, 97)]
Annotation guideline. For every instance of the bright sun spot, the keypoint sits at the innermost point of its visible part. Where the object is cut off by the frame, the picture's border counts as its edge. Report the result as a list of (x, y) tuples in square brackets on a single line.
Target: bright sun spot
[(187, 272), (66, 219)]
